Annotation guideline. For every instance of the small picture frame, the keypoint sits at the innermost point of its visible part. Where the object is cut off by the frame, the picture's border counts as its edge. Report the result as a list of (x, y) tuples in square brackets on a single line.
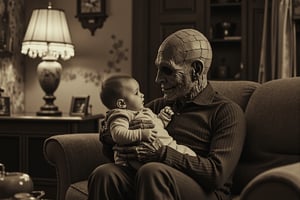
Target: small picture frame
[(4, 106), (79, 105)]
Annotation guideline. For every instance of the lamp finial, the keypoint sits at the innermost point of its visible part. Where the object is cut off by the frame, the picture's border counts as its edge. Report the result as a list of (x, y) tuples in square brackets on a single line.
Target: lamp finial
[(49, 5)]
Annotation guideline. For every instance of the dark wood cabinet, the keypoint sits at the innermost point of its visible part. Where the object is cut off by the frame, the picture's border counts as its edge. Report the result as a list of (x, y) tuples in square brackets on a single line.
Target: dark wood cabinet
[(228, 36), (21, 144)]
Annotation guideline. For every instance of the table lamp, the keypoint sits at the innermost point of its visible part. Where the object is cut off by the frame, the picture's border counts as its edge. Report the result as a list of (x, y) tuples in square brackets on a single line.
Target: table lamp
[(48, 37)]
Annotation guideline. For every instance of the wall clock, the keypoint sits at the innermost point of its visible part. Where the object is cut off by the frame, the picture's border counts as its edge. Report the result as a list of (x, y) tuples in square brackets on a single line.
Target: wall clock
[(91, 14)]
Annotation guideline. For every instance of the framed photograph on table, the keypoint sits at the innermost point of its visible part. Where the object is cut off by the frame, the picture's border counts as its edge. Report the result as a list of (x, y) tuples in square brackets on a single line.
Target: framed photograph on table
[(79, 105), (4, 106)]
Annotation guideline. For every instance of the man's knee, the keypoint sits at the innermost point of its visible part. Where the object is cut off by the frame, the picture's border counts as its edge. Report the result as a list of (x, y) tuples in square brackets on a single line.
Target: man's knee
[(151, 170), (103, 171), (155, 181)]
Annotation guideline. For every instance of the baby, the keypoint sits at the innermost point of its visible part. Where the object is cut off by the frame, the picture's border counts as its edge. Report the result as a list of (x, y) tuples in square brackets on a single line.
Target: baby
[(122, 96)]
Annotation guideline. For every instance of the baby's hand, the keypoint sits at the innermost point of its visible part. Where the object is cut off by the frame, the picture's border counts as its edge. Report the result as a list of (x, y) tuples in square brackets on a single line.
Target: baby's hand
[(148, 135), (167, 112)]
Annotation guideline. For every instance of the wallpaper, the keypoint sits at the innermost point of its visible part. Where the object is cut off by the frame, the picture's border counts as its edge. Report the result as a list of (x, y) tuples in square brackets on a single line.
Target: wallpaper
[(117, 54), (11, 66)]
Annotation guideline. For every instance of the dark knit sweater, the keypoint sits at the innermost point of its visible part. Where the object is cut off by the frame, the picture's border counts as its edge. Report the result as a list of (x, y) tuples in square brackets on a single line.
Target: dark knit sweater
[(214, 127)]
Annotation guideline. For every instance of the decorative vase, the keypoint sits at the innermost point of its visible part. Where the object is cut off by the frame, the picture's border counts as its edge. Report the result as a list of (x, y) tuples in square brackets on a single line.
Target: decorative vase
[(14, 182), (224, 29), (49, 73)]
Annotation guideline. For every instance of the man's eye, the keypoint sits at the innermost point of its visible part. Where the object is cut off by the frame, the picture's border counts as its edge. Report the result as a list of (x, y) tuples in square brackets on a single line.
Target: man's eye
[(166, 70)]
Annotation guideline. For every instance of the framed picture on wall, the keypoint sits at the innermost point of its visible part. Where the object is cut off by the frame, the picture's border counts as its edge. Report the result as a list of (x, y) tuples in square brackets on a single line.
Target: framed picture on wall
[(91, 14), (90, 6), (4, 106), (79, 105)]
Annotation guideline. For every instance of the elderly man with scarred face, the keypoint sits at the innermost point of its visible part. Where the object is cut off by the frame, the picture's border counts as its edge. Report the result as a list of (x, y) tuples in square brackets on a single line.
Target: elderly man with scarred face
[(207, 122)]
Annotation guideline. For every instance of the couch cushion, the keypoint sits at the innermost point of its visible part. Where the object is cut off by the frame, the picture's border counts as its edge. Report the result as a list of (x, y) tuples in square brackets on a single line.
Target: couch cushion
[(277, 183), (77, 191), (238, 91), (272, 140)]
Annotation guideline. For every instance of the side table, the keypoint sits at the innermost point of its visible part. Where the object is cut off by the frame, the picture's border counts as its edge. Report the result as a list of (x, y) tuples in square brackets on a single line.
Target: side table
[(21, 143)]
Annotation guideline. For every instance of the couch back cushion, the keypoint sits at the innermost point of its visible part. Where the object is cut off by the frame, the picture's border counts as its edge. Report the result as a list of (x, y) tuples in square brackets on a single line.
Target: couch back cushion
[(273, 129), (238, 91)]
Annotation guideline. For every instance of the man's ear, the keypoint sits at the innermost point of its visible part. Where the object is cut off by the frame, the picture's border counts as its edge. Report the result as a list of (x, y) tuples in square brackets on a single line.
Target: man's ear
[(197, 68), (121, 103)]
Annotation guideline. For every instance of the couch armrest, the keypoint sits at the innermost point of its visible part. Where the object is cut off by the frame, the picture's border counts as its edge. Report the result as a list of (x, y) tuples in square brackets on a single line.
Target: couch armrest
[(278, 183), (74, 156)]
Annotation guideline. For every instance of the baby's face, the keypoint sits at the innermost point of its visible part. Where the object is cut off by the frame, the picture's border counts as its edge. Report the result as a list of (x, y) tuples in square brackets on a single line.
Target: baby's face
[(134, 99)]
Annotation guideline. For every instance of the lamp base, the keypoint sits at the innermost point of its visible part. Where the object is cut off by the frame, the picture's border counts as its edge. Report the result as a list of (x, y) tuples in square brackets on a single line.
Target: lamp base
[(49, 72), (49, 109), (49, 113)]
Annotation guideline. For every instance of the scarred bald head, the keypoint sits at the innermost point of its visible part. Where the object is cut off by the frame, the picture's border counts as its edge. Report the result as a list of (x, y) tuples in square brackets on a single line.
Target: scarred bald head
[(183, 61), (186, 45)]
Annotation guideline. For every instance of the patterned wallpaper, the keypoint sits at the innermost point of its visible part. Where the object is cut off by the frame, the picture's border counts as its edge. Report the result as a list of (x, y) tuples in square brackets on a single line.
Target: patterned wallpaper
[(11, 67), (118, 54)]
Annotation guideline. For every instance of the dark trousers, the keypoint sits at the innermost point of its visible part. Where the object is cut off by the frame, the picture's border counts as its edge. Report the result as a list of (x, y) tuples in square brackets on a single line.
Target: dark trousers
[(153, 181)]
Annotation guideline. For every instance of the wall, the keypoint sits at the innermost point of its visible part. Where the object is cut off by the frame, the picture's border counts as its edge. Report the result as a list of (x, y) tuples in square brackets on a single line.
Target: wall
[(11, 67), (82, 74)]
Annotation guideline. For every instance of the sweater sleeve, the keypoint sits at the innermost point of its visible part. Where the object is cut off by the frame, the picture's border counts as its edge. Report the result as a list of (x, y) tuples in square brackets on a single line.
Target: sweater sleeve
[(119, 129), (212, 171)]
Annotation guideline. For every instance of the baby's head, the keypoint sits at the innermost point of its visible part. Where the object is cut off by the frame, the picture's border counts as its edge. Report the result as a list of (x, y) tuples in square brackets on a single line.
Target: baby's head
[(122, 92)]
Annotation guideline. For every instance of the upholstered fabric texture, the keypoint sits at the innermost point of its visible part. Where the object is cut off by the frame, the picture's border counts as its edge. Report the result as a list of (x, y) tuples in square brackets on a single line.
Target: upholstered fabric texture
[(75, 157), (238, 91), (273, 130)]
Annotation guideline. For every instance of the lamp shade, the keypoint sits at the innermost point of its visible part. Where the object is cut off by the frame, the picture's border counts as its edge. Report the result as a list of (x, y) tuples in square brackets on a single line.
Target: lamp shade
[(48, 35)]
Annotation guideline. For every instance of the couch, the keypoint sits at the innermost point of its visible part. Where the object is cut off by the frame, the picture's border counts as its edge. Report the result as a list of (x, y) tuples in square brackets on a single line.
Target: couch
[(269, 167)]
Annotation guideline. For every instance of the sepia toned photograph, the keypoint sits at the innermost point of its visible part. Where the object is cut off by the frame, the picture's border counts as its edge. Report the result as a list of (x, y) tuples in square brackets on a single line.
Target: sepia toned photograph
[(151, 99), (4, 106), (79, 105)]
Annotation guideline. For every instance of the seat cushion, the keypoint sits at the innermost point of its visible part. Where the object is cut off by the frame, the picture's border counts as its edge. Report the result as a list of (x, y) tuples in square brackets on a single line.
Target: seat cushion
[(77, 191)]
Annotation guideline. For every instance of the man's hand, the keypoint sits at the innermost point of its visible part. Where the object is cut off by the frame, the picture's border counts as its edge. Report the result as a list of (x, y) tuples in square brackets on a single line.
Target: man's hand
[(145, 152), (142, 124), (106, 139)]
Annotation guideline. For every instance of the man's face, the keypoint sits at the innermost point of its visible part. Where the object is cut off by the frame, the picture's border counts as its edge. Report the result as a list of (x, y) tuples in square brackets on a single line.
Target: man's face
[(173, 75)]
